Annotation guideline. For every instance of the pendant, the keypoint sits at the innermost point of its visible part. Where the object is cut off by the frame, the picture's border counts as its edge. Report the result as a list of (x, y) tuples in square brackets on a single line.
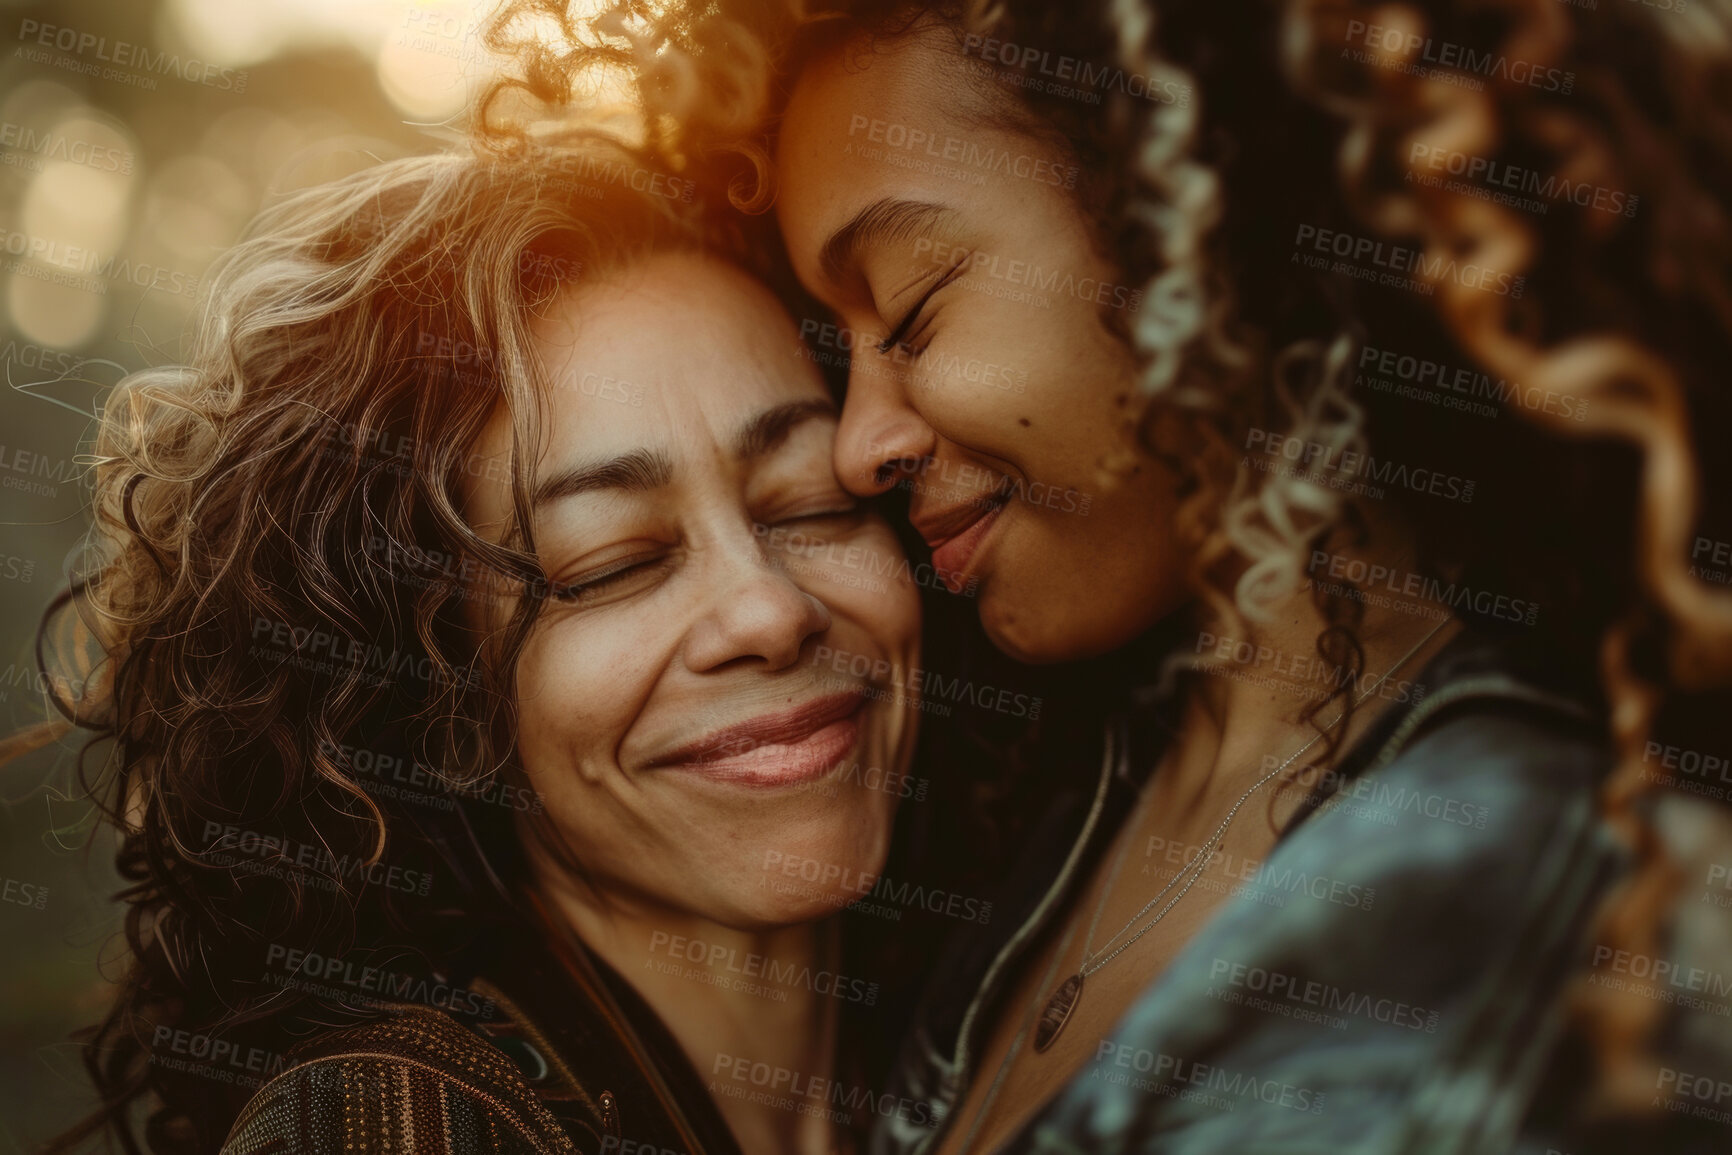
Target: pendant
[(1057, 1013)]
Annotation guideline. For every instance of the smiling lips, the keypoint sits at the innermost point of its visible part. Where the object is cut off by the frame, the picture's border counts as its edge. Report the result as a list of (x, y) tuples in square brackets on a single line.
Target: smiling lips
[(956, 533), (781, 749)]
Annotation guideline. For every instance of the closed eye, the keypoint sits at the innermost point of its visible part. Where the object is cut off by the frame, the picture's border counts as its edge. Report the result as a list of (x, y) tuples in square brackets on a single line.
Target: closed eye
[(900, 333), (841, 510), (613, 580), (822, 522)]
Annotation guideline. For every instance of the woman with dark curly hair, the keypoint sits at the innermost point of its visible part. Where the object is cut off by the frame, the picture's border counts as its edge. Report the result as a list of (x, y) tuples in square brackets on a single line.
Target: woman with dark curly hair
[(1373, 354), (459, 600)]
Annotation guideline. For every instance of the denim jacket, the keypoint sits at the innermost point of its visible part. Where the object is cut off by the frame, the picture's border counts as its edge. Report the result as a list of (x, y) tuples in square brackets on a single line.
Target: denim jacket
[(1390, 979)]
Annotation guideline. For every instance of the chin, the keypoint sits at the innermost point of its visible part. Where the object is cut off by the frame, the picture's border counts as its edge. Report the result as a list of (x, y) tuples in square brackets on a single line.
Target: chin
[(1052, 639), (1053, 631), (809, 878), (1041, 639)]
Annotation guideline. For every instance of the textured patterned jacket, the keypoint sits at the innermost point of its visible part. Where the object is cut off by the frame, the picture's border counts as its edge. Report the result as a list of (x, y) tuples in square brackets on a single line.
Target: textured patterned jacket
[(572, 1061)]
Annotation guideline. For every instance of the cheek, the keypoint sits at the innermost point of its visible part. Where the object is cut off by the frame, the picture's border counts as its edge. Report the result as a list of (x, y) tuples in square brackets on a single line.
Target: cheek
[(1009, 378), (867, 580), (579, 689), (980, 370)]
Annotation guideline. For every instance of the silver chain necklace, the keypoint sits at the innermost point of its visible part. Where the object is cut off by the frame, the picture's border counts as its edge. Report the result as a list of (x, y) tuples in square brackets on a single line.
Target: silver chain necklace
[(1064, 1000), (1022, 1033)]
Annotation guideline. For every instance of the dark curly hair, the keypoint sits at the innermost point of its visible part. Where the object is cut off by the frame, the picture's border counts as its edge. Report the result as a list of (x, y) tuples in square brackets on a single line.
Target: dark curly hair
[(276, 584)]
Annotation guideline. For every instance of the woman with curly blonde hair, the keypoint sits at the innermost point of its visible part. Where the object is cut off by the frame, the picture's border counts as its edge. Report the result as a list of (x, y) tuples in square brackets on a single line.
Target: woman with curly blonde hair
[(1360, 369), (457, 602)]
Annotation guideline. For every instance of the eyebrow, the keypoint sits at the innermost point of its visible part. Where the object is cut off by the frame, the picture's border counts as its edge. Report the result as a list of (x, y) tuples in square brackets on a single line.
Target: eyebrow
[(638, 471), (765, 433), (882, 222), (643, 470)]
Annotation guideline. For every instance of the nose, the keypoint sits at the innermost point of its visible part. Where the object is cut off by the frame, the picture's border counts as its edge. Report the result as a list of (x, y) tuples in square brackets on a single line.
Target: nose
[(756, 612), (881, 437)]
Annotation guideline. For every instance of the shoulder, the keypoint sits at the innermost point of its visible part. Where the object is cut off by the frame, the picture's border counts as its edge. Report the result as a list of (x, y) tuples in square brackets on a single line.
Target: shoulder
[(1477, 829), (1362, 980), (415, 1080), (1489, 781)]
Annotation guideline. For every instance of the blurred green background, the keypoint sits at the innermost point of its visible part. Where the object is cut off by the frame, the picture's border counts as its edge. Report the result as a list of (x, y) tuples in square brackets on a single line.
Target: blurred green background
[(137, 138)]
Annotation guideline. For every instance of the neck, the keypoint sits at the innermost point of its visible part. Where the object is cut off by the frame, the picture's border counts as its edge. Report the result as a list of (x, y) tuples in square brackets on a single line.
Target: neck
[(737, 1002), (1245, 713)]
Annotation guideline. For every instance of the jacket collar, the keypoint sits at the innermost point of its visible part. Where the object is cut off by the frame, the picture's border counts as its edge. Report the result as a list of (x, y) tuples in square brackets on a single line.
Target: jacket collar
[(598, 1055), (1473, 666)]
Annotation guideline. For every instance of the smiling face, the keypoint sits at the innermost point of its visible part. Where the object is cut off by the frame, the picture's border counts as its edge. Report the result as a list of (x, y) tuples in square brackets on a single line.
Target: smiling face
[(690, 709), (983, 375)]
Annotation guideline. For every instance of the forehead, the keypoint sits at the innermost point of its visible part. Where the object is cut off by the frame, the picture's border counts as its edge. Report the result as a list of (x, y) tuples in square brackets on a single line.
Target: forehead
[(678, 347), (893, 118), (672, 354)]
